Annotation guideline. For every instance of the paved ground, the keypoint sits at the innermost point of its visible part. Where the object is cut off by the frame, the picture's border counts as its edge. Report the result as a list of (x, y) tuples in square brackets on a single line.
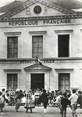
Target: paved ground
[(37, 112)]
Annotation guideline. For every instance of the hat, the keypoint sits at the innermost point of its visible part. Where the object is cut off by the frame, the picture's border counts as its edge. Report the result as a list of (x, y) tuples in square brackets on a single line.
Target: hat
[(17, 90)]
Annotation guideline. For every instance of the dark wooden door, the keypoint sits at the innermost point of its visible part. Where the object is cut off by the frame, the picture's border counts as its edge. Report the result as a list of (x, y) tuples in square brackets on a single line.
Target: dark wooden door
[(37, 81)]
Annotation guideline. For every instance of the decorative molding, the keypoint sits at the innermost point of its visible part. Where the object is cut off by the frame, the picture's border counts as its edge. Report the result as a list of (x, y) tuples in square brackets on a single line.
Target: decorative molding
[(12, 70), (64, 31), (37, 67), (12, 33), (44, 60), (72, 16), (28, 11), (37, 32), (64, 70)]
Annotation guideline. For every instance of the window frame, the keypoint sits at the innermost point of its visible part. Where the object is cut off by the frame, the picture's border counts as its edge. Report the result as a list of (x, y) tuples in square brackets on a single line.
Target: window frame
[(16, 78), (14, 53), (63, 32), (63, 73), (68, 54), (38, 43)]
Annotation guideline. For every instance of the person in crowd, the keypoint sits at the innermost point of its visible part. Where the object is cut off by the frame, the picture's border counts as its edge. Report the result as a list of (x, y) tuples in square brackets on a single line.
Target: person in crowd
[(23, 100), (7, 97), (53, 98), (12, 97), (73, 98), (3, 94), (44, 99), (37, 95), (68, 95), (58, 100), (50, 95), (18, 97), (79, 101), (1, 102), (29, 102), (64, 104)]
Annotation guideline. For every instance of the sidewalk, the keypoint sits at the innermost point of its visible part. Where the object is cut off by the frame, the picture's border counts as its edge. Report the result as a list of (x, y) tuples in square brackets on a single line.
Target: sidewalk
[(39, 109)]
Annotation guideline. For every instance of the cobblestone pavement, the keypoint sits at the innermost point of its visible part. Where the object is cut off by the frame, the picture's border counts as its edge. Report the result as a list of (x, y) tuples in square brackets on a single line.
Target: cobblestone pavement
[(9, 111)]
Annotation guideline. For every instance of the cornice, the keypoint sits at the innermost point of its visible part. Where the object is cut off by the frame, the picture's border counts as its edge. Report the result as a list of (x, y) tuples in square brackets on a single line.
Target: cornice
[(37, 32), (60, 31), (64, 70), (12, 33), (12, 70), (44, 60), (41, 18)]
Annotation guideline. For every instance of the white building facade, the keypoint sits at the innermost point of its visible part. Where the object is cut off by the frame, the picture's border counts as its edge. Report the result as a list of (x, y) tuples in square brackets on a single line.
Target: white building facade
[(49, 32)]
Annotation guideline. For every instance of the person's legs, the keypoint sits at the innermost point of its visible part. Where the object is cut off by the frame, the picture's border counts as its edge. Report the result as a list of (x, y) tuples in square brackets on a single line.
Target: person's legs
[(45, 106), (26, 110), (74, 107), (31, 110), (60, 107), (0, 108), (17, 107), (61, 112), (64, 112)]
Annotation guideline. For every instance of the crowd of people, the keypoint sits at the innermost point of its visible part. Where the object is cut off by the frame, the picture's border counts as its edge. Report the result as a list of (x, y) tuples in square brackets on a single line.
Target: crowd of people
[(32, 98)]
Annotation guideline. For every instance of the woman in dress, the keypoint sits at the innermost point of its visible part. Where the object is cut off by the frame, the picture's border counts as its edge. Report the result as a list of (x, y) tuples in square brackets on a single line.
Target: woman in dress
[(29, 102)]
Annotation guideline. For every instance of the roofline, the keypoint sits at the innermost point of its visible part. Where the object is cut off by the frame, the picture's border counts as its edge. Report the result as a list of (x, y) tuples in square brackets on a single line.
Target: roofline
[(27, 3), (56, 6)]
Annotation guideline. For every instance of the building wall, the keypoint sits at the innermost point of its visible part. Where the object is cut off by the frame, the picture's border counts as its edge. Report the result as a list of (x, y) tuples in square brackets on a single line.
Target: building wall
[(50, 32), (51, 78), (50, 41)]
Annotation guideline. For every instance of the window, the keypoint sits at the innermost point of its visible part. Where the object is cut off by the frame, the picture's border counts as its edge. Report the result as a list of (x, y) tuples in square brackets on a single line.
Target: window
[(63, 45), (64, 81), (12, 47), (37, 46), (12, 81)]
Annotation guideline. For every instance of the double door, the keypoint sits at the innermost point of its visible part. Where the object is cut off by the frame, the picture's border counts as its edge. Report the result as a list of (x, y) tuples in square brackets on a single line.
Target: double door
[(37, 81)]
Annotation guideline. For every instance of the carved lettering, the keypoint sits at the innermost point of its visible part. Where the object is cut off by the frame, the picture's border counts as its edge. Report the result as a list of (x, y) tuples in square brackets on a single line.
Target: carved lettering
[(38, 22)]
